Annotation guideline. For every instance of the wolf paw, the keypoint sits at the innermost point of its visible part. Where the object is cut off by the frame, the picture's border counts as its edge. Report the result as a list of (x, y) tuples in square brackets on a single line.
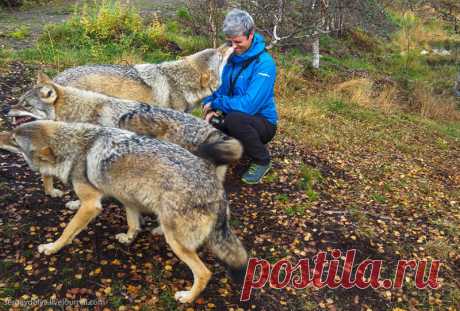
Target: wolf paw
[(47, 249), (184, 296), (55, 193), (73, 205), (124, 238), (157, 231)]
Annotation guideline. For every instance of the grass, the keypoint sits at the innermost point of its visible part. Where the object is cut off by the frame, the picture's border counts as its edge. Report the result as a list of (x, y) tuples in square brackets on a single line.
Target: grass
[(332, 118), (295, 210), (378, 198), (167, 300), (282, 197), (20, 33), (6, 56)]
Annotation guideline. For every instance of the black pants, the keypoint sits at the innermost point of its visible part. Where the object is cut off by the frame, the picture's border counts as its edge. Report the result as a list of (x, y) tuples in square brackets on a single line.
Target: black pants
[(253, 132)]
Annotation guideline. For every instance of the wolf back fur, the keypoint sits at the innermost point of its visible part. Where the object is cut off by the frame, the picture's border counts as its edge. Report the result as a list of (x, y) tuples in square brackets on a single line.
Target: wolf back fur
[(179, 85), (51, 101)]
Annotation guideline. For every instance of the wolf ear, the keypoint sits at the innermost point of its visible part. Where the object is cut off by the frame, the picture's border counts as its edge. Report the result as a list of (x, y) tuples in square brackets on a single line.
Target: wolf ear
[(46, 154), (43, 78), (205, 79)]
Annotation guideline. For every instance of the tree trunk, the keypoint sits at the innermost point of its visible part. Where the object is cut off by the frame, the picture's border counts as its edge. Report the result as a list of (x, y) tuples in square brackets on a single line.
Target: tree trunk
[(315, 61), (212, 22)]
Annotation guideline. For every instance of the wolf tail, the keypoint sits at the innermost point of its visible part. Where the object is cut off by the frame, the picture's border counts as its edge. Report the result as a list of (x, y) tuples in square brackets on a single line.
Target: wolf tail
[(221, 152), (228, 248)]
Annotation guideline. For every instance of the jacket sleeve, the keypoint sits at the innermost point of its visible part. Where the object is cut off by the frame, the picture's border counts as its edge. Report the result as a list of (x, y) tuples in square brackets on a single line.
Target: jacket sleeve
[(259, 89), (211, 97)]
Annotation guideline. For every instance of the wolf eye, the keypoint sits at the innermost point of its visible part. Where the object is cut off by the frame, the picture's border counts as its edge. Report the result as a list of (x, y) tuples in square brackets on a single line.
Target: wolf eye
[(49, 93)]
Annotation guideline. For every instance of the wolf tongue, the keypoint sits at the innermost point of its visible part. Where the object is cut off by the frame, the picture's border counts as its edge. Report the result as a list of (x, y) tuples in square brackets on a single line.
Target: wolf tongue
[(22, 120)]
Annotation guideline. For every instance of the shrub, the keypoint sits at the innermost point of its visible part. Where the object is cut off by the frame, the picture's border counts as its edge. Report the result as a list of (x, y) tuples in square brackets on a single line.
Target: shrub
[(110, 21)]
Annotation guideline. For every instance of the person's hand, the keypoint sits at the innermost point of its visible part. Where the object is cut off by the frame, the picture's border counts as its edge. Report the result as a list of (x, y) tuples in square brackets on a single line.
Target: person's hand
[(206, 109), (209, 116)]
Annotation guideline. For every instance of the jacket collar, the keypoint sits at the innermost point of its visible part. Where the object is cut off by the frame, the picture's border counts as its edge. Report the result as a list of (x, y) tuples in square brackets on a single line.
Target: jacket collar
[(257, 46)]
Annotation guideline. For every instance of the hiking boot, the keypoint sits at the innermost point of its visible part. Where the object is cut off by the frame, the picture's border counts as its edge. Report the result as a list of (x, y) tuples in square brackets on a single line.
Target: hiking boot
[(255, 173)]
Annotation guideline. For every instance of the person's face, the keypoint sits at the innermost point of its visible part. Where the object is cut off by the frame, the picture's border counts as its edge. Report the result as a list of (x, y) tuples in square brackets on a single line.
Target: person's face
[(240, 43)]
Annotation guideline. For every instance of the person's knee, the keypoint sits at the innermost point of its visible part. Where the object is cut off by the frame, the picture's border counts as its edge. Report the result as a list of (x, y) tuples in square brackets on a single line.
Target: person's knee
[(234, 119), (235, 125)]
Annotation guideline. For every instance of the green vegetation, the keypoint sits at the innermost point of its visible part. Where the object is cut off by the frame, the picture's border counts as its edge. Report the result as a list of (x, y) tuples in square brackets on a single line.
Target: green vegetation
[(309, 177), (20, 33), (111, 33)]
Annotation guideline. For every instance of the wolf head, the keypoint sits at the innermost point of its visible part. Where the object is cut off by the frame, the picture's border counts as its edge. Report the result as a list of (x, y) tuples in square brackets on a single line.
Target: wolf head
[(38, 103), (32, 141), (210, 63)]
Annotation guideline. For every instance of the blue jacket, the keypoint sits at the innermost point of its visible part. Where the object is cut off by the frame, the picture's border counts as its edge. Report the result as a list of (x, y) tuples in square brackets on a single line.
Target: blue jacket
[(253, 91)]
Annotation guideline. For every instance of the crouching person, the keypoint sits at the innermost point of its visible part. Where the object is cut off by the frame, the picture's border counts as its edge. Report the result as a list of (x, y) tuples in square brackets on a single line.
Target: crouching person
[(244, 106)]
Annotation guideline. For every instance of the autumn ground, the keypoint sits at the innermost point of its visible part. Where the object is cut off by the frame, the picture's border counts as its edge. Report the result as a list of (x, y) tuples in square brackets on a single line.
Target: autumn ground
[(387, 202), (347, 175)]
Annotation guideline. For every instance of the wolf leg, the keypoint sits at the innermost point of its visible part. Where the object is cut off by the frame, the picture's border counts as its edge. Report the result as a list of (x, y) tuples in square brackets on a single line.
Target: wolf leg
[(201, 273), (133, 217), (49, 187), (90, 207)]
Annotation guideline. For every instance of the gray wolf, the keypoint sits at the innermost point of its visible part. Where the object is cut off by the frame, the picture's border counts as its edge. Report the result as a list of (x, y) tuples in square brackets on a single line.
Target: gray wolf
[(147, 176), (51, 101), (179, 84)]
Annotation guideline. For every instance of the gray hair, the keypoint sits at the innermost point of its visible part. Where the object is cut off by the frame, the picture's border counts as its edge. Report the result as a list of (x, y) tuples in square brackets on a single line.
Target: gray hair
[(238, 22)]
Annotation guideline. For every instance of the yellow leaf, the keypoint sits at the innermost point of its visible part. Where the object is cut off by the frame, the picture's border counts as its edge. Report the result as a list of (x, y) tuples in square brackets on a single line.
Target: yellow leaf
[(133, 289), (223, 280)]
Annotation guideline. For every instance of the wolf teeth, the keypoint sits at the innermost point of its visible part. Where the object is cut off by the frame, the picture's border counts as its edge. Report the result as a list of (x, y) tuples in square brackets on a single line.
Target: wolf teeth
[(14, 120)]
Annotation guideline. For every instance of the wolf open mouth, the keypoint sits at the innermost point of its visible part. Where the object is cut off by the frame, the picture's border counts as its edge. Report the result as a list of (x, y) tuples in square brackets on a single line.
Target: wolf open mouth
[(21, 120)]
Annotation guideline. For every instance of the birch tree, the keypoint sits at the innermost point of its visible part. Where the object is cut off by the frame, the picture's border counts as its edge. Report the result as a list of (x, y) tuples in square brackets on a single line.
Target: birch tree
[(293, 22), (290, 23)]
